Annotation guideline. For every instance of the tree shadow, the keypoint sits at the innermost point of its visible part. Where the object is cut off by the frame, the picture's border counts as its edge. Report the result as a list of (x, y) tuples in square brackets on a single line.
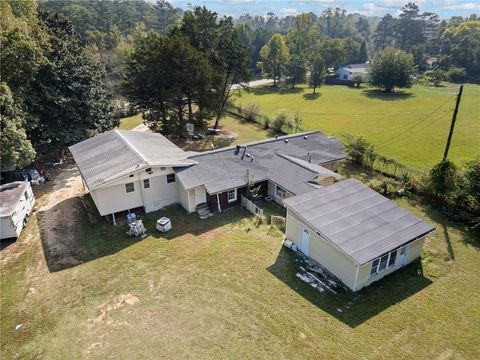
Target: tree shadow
[(311, 96), (351, 308), (91, 237), (382, 95)]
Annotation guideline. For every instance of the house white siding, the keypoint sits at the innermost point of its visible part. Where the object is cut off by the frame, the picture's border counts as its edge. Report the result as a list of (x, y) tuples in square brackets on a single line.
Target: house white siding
[(113, 197)]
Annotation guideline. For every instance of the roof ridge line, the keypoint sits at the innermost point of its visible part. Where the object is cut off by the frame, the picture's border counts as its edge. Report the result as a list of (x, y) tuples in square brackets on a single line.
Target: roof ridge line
[(288, 136), (130, 145)]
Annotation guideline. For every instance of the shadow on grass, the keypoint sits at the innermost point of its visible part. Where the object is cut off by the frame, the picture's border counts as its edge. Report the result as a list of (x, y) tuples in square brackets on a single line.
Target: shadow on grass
[(382, 95), (351, 308), (311, 96), (90, 237)]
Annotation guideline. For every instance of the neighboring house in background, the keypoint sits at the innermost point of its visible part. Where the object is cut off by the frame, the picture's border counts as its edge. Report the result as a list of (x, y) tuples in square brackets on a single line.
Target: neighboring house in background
[(354, 232), (347, 72), (16, 203), (125, 170)]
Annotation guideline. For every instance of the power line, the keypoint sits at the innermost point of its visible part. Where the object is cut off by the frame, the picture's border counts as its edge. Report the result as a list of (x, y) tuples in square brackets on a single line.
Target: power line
[(414, 125)]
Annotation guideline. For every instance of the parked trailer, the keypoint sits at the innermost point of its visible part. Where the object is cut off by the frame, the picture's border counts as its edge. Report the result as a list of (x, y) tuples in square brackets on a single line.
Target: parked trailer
[(16, 203)]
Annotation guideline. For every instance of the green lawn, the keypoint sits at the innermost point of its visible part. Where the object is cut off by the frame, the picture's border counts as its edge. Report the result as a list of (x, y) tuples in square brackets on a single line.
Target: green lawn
[(224, 288), (130, 122), (397, 124)]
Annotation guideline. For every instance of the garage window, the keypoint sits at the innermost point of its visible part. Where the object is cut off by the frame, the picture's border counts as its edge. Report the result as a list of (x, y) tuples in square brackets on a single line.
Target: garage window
[(129, 187), (383, 262), (232, 195)]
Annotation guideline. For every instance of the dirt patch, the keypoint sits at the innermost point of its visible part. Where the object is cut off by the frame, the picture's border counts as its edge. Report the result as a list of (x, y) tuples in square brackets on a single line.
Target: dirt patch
[(59, 220), (113, 304)]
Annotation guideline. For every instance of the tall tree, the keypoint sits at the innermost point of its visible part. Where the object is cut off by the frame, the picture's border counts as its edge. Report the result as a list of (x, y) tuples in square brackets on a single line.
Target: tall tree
[(296, 69), (275, 57), (171, 82), (217, 39), (16, 150), (392, 68), (333, 52), (68, 99), (317, 72), (384, 35), (164, 16)]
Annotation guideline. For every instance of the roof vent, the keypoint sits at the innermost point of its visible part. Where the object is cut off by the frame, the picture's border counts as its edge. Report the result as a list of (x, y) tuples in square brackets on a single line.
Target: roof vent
[(286, 140), (247, 155), (251, 160), (305, 137)]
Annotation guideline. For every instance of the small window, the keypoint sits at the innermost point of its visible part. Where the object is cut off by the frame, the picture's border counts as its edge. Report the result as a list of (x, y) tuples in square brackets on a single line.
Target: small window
[(148, 170), (170, 178), (232, 195), (345, 77), (280, 192), (163, 168), (129, 187), (146, 183), (25, 194), (374, 267), (393, 256)]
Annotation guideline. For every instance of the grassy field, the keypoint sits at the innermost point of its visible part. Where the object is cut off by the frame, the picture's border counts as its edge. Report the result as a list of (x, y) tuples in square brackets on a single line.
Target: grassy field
[(130, 122), (398, 125), (224, 288)]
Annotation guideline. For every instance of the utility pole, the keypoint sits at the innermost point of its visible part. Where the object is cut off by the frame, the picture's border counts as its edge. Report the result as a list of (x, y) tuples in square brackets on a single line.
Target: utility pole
[(452, 126)]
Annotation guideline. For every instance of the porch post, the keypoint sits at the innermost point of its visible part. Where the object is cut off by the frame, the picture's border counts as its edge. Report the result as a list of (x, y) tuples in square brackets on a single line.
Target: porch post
[(113, 218), (218, 203)]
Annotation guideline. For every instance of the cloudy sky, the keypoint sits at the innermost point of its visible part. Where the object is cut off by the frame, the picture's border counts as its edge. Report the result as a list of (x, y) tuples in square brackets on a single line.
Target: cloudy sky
[(445, 8)]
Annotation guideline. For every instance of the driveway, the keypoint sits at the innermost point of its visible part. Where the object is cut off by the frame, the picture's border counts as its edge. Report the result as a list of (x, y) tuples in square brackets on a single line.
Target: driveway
[(252, 83)]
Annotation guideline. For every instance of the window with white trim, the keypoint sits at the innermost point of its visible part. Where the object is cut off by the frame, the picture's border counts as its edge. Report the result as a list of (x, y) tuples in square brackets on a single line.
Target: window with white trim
[(280, 192), (232, 195), (129, 187), (383, 262), (146, 183)]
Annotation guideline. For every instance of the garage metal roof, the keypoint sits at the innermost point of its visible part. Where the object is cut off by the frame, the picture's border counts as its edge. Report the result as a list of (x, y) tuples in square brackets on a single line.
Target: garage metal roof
[(117, 153), (359, 221)]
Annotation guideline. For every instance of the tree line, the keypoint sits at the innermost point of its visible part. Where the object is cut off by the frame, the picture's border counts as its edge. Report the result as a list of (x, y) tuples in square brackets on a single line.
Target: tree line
[(52, 90)]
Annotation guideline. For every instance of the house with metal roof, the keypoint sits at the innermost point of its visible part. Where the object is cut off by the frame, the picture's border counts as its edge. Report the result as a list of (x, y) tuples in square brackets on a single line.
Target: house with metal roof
[(124, 170), (354, 232)]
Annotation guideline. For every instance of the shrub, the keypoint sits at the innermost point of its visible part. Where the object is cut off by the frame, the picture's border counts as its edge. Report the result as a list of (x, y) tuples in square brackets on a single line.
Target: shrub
[(457, 74), (250, 112), (266, 123), (280, 122), (360, 150)]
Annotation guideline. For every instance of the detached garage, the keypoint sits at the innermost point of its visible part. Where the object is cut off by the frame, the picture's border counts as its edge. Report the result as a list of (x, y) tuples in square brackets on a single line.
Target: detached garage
[(354, 232)]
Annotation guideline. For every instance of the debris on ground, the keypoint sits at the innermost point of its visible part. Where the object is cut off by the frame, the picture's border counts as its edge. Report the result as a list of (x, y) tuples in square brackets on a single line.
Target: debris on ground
[(18, 326)]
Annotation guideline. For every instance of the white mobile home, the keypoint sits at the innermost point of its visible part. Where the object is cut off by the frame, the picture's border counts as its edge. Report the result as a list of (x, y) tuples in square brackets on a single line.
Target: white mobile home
[(16, 203), (354, 232)]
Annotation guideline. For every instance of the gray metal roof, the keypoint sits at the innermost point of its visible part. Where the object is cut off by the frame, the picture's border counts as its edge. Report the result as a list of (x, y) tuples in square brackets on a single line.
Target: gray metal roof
[(10, 195), (359, 221), (117, 153), (284, 163)]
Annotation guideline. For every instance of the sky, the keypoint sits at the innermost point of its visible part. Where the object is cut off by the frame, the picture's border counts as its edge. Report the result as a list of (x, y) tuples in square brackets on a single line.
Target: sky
[(444, 8)]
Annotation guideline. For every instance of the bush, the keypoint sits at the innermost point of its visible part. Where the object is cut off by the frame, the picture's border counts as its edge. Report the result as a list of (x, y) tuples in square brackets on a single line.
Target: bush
[(266, 123), (359, 150), (250, 112), (386, 186), (279, 123), (457, 74)]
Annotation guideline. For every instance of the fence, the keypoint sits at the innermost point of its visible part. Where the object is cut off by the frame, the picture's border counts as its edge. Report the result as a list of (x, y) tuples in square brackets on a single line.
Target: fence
[(250, 206)]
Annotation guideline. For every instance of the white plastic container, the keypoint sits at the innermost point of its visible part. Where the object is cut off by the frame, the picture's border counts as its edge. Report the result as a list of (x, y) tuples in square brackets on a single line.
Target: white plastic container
[(163, 224)]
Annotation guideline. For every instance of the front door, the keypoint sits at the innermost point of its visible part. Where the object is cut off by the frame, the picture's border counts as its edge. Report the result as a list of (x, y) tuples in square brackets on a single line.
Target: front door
[(403, 256), (304, 241)]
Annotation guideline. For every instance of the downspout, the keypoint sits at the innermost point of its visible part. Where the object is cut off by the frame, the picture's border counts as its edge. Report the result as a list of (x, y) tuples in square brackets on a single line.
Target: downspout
[(140, 180), (356, 278), (218, 203)]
